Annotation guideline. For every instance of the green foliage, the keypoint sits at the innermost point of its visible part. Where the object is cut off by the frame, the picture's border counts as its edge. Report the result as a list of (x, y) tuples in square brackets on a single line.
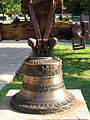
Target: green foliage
[(3, 8), (9, 6), (85, 5), (77, 7), (14, 5)]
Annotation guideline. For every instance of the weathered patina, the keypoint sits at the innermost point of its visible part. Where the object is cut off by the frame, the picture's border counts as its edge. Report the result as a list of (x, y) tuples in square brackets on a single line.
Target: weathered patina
[(43, 90)]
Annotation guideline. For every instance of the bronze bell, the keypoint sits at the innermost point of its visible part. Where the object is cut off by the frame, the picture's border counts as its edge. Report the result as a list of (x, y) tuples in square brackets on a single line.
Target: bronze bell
[(43, 90)]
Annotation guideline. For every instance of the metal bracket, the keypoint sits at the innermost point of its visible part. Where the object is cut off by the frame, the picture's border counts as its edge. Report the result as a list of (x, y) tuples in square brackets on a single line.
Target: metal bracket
[(35, 24), (42, 43), (77, 31), (49, 24)]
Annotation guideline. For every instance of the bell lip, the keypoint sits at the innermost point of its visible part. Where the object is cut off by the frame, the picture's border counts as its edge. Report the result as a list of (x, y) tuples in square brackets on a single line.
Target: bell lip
[(24, 108)]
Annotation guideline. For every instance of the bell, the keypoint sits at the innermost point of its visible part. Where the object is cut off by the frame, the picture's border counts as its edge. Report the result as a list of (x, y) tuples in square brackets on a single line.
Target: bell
[(43, 90)]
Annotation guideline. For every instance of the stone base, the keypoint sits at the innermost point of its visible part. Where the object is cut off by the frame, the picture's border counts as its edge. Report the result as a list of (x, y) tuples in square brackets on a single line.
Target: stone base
[(78, 113)]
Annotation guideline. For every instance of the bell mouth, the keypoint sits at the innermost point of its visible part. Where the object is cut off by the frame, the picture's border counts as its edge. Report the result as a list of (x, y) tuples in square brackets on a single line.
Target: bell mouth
[(48, 107)]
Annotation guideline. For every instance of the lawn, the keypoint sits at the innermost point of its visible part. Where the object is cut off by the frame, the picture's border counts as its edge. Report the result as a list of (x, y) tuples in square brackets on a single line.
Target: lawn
[(75, 19), (76, 41), (76, 71)]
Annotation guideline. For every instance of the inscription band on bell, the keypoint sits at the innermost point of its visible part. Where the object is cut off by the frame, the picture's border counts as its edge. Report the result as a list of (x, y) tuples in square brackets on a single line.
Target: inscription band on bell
[(42, 88)]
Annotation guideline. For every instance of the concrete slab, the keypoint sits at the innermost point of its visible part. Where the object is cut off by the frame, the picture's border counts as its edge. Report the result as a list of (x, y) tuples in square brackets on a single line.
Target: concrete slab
[(78, 113), (12, 56)]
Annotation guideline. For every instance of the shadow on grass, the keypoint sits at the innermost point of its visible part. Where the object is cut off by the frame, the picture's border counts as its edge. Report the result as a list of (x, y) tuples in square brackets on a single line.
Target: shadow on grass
[(76, 75), (76, 66), (69, 53), (76, 69), (79, 83)]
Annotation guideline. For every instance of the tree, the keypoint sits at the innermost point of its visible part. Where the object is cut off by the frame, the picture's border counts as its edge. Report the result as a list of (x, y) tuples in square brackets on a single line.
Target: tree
[(73, 6), (9, 6), (85, 5), (3, 9), (14, 5)]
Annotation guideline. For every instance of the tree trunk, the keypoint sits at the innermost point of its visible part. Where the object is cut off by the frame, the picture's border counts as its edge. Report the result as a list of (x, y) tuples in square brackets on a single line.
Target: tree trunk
[(3, 17), (25, 18), (72, 16), (80, 17)]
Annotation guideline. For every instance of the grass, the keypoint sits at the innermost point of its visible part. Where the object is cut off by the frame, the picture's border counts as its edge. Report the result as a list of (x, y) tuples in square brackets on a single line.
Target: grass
[(76, 71), (76, 18), (4, 91), (62, 51), (76, 41)]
